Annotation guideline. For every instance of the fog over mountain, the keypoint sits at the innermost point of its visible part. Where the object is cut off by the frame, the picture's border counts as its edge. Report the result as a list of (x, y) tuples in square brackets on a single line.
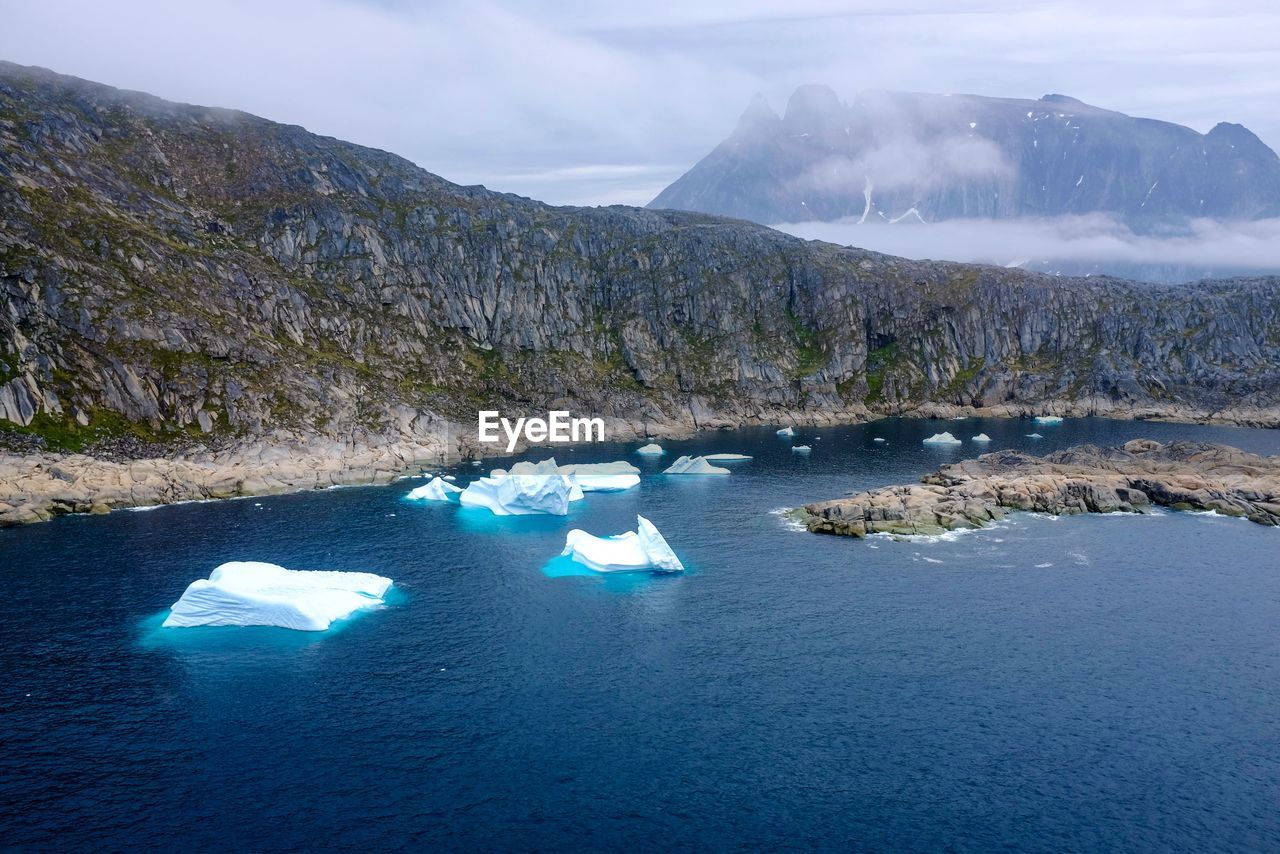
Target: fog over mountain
[(895, 156)]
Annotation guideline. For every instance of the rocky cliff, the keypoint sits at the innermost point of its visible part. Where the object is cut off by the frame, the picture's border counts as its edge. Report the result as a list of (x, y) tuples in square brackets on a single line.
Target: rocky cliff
[(174, 276), (898, 156)]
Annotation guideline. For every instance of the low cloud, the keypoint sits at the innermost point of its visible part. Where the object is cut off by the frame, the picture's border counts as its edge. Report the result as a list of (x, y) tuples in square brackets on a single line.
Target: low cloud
[(1203, 247)]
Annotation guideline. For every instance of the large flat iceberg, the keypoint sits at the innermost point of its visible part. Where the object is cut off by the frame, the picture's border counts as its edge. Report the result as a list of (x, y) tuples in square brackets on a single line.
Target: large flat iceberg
[(604, 477), (527, 489), (436, 490), (801, 449), (942, 439), (651, 450), (250, 593), (1048, 419), (694, 465), (726, 458), (641, 549)]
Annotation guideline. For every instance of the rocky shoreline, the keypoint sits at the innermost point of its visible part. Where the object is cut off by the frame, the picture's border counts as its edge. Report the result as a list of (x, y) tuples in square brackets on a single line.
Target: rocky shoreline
[(37, 485), (1084, 479)]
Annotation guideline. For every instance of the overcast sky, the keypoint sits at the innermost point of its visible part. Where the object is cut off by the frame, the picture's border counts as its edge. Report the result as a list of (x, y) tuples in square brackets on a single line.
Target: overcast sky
[(584, 102)]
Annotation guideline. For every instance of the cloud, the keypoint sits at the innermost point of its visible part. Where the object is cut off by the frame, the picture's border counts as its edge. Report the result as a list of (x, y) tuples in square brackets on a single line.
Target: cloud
[(513, 93), (1071, 243)]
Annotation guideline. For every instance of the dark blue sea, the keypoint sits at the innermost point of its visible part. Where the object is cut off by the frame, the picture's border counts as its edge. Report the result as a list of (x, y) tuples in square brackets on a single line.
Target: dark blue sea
[(1069, 684)]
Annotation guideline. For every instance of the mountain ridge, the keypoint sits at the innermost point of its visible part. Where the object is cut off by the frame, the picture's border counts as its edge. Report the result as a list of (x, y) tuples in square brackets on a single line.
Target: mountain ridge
[(973, 156), (172, 278)]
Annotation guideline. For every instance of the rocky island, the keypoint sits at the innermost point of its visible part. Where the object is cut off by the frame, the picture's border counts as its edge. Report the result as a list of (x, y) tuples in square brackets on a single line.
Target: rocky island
[(1083, 479)]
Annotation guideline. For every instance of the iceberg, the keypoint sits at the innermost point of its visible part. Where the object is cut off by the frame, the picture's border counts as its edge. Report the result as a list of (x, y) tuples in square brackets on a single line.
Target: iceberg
[(651, 450), (726, 458), (604, 477), (1048, 419), (942, 439), (786, 431), (694, 465), (633, 551), (878, 439), (981, 437), (251, 593), (1034, 436), (528, 488), (801, 449), (436, 490)]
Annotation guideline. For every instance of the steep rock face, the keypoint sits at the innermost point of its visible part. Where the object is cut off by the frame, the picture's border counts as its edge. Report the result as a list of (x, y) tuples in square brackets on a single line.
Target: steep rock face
[(896, 156), (174, 274)]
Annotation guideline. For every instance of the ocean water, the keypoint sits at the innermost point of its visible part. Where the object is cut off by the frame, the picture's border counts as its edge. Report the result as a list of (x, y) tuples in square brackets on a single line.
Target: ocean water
[(1086, 683)]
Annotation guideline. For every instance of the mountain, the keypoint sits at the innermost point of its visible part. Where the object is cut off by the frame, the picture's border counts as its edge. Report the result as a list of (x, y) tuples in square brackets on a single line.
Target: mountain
[(896, 156), (173, 274)]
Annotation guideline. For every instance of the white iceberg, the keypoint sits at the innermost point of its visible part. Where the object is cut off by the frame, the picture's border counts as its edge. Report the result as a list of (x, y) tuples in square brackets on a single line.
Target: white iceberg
[(694, 465), (981, 437), (450, 478), (942, 439), (527, 489), (801, 449), (436, 490), (1034, 436), (651, 450), (604, 477), (250, 593), (878, 439), (1048, 419), (633, 551), (726, 458), (786, 431)]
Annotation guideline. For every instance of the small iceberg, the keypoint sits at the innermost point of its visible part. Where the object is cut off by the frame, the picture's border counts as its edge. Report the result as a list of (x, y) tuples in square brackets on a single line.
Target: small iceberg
[(436, 490), (981, 437), (694, 465), (651, 450), (786, 431), (527, 489), (942, 439), (878, 440), (1048, 419), (726, 458), (1034, 436), (801, 449), (604, 477), (450, 478), (251, 593), (633, 551)]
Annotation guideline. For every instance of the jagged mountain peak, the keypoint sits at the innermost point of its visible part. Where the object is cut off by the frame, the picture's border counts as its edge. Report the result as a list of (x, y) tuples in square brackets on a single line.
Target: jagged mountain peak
[(886, 156)]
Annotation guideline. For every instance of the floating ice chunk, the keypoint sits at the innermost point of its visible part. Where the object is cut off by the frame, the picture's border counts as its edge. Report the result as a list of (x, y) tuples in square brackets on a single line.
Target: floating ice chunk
[(604, 477), (651, 450), (250, 593), (694, 465), (801, 449), (436, 490), (1048, 419), (942, 439), (528, 488), (981, 437), (450, 478), (1034, 436), (878, 440), (726, 458), (641, 549), (786, 431)]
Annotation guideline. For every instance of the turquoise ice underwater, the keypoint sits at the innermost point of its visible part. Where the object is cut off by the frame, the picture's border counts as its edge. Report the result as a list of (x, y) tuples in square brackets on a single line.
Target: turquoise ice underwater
[(1046, 684)]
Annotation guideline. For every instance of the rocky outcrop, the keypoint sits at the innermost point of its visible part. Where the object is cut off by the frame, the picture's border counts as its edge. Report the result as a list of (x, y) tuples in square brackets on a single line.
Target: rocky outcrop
[(911, 157), (1084, 479), (199, 280)]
